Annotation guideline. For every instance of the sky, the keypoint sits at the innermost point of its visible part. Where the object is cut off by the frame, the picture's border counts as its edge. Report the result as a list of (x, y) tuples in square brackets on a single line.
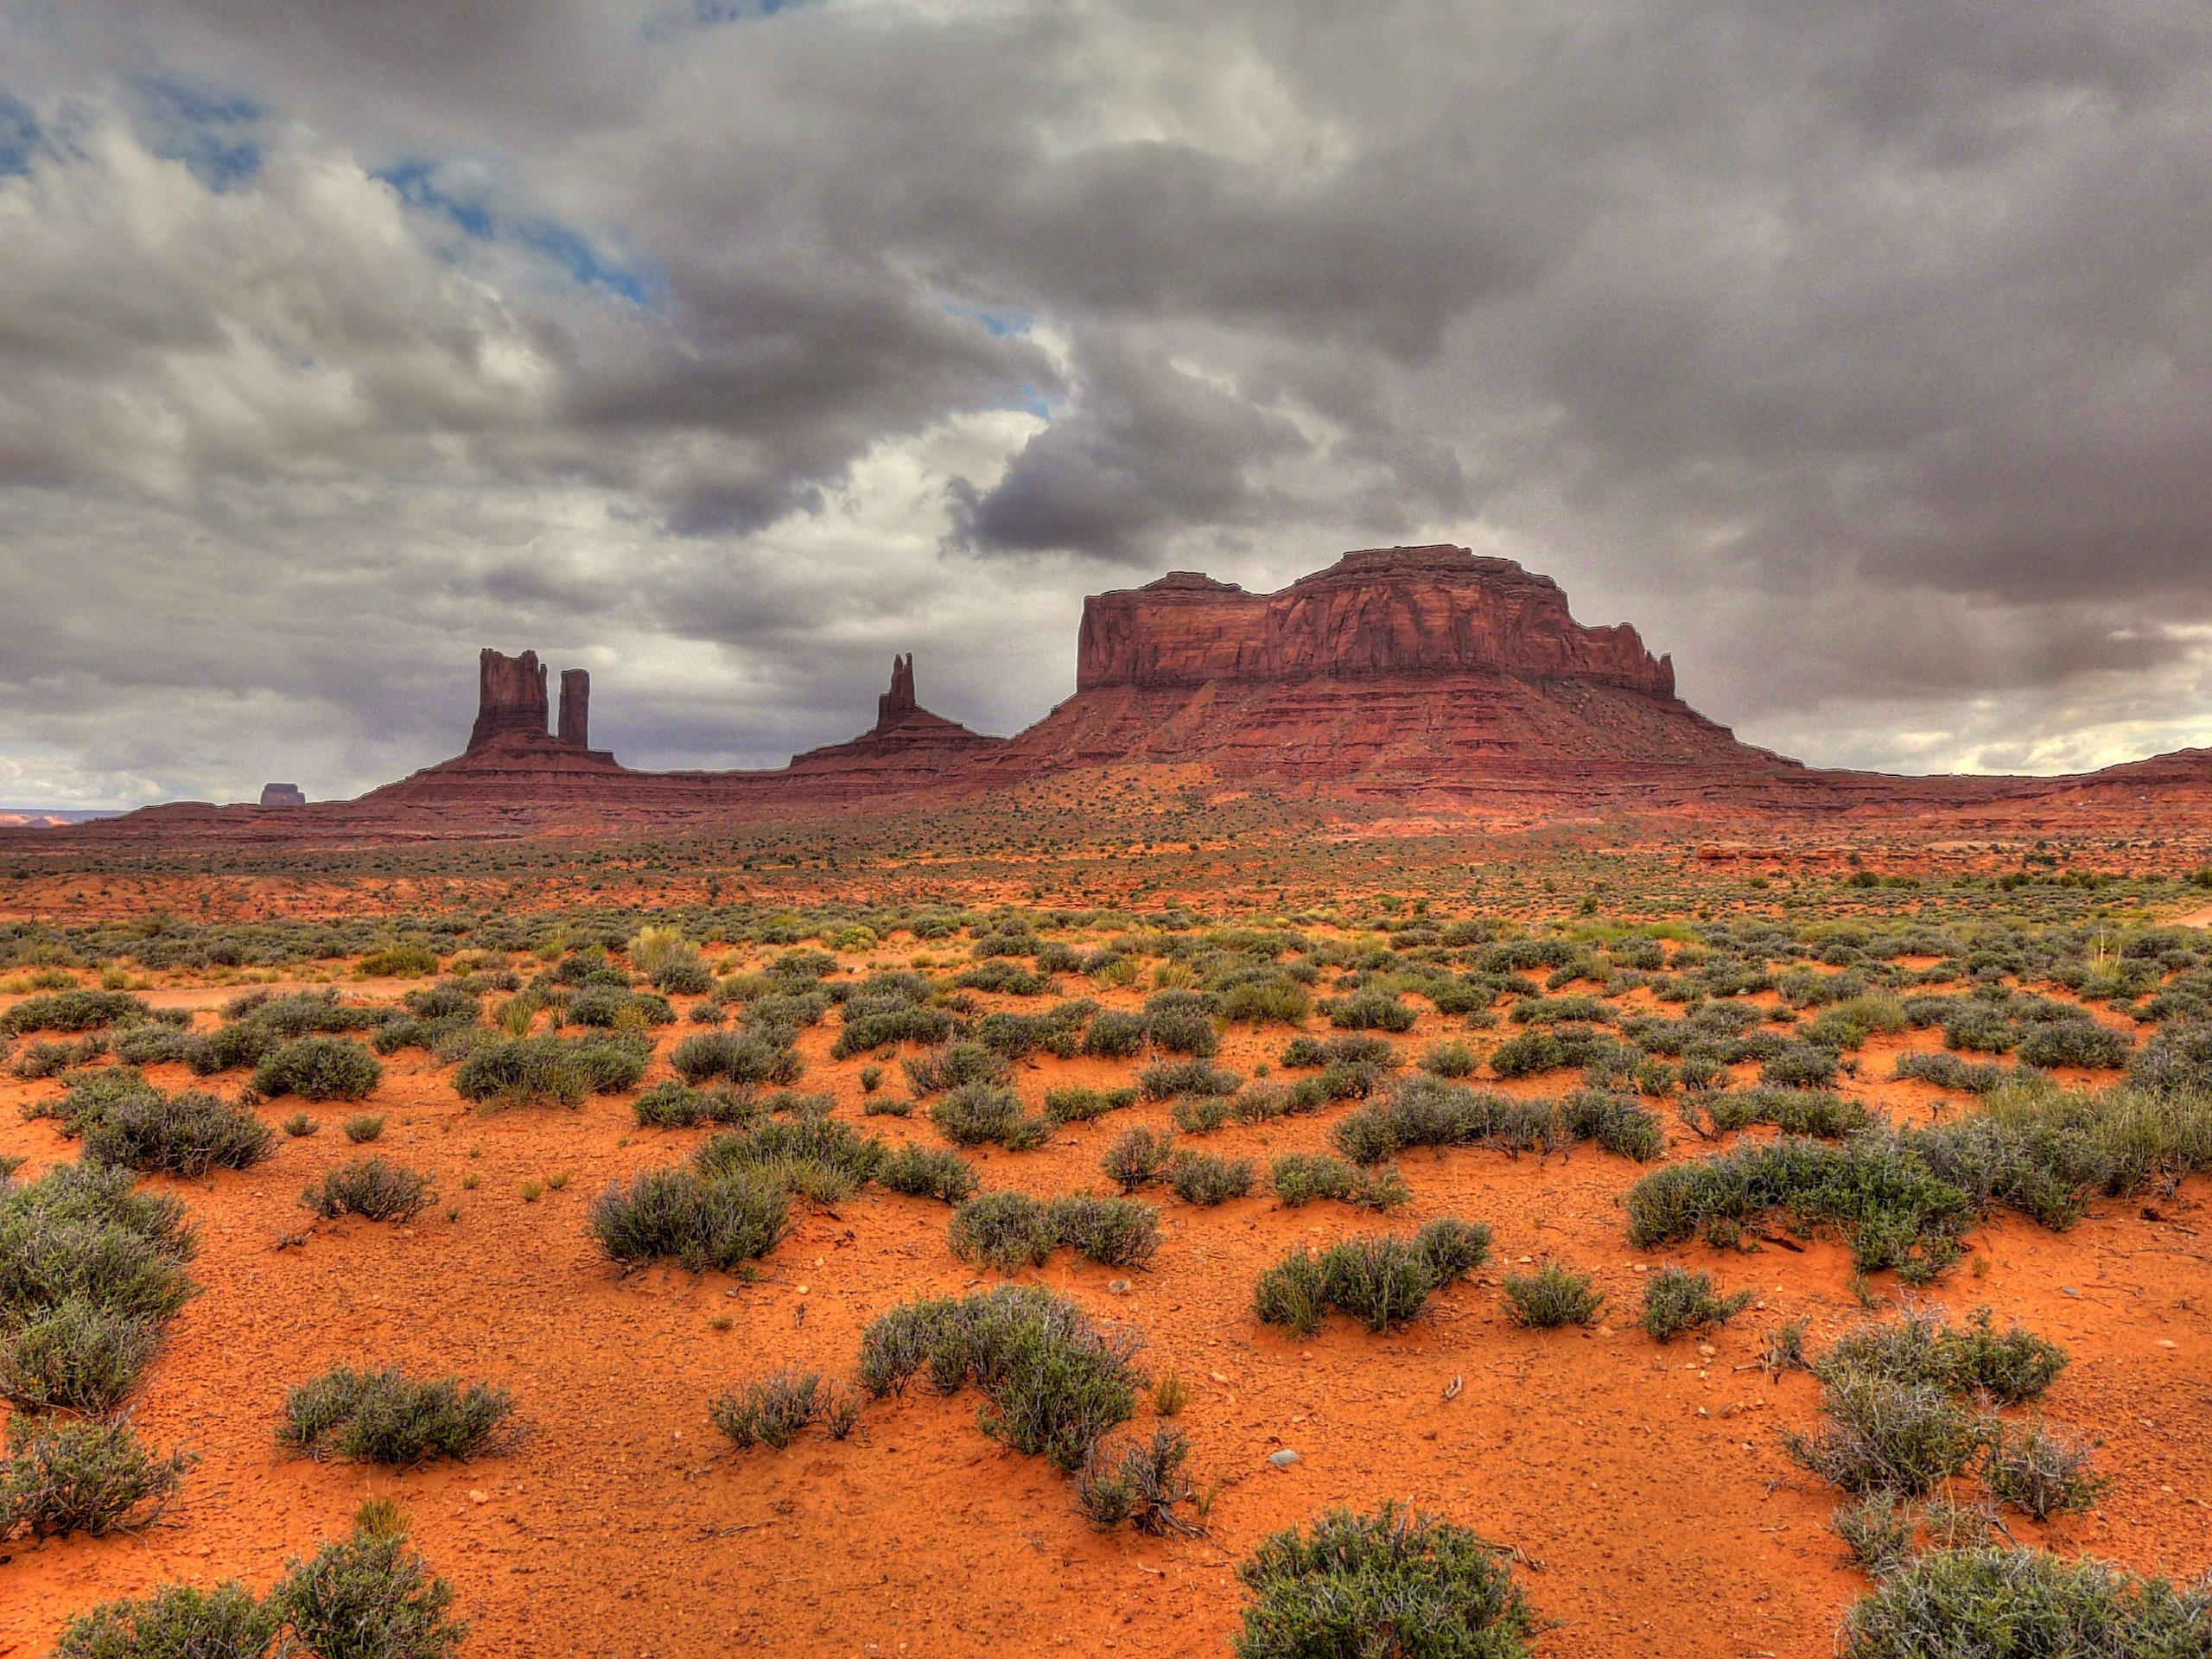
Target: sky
[(1860, 353)]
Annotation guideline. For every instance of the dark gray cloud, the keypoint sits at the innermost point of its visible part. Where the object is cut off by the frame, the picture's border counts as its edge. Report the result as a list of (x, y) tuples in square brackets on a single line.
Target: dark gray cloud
[(1857, 352)]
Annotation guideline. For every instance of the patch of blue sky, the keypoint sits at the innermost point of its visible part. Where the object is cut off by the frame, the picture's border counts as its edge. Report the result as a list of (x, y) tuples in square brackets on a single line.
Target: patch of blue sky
[(20, 136), (1006, 324), (216, 136), (582, 260)]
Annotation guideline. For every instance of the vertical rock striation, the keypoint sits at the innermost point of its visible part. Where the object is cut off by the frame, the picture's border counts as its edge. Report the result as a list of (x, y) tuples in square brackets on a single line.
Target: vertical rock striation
[(576, 708)]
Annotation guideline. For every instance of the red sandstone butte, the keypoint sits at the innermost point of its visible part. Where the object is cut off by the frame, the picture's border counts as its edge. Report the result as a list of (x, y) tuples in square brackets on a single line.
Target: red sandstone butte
[(907, 744)]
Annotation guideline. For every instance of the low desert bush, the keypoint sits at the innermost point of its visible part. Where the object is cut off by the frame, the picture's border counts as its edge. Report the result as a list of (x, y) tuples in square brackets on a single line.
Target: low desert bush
[(953, 1066), (560, 1071), (1300, 1177), (1971, 1359), (2041, 1472), (673, 1215), (1080, 1105), (1397, 1582), (370, 1597), (318, 1068), (1138, 1483), (74, 1356), (1137, 1158), (1876, 1528), (1056, 1383), (2022, 1602), (1164, 1079), (1887, 1436), (175, 1622), (920, 1173), (1676, 1300), (673, 1105), (974, 1114), (773, 1410), (1553, 1295), (1382, 1281), (371, 1188), (1201, 1178), (383, 1416), (63, 1476), (1010, 1230)]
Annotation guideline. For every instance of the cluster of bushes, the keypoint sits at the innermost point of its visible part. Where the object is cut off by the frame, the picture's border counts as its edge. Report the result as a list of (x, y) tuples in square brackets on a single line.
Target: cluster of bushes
[(559, 1071), (1428, 1111), (729, 1203), (383, 1416), (1383, 1280), (1904, 1199), (369, 1597), (1910, 1409), (371, 1188), (1055, 1383), (126, 1123), (1394, 1582), (91, 1271), (1302, 1177), (771, 1411), (1009, 1230)]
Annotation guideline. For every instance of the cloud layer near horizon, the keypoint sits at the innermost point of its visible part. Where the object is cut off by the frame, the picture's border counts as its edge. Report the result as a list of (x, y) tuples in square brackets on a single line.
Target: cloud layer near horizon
[(1858, 354)]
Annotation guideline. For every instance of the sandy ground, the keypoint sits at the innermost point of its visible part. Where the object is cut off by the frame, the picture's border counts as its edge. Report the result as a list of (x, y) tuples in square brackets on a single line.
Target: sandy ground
[(1643, 1487)]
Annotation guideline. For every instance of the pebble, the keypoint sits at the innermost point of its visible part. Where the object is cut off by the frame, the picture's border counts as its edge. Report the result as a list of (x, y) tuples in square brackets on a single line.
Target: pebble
[(1119, 1286), (1283, 1458), (2068, 1290), (475, 1497)]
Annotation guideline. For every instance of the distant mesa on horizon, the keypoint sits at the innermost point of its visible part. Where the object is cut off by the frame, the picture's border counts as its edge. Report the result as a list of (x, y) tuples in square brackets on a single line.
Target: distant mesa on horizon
[(1420, 676), (282, 795)]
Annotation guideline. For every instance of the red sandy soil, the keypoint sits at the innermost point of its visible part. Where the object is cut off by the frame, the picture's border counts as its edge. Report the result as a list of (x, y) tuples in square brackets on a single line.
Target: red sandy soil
[(1643, 1487)]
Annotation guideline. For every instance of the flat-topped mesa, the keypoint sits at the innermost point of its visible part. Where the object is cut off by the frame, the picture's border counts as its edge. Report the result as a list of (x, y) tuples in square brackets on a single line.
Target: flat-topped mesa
[(510, 696), (1394, 611)]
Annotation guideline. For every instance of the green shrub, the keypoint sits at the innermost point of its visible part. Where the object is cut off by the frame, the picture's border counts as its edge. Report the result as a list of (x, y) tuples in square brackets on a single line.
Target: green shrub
[(810, 1153), (1181, 1023), (2074, 1042), (2176, 1061), (75, 1010), (1201, 1178), (673, 1215), (942, 1174), (1300, 1177), (61, 1477), (363, 1127), (369, 1598), (1276, 998), (880, 1024), (1370, 1010), (405, 961), (608, 1009), (1005, 1231), (74, 1356), (1056, 1383), (954, 1066), (741, 1055), (673, 1105), (1676, 1300), (1799, 1065), (1886, 1436), (371, 1188), (769, 1412), (1080, 1105), (176, 1622), (1973, 1359), (1426, 1111), (1397, 1582), (1553, 1295), (1138, 1158), (1114, 1036), (2002, 1602), (1878, 1530), (1167, 1078), (318, 1068), (1448, 1060), (2040, 1472), (1113, 1232), (974, 1114), (1380, 1281), (1140, 1484), (1794, 1111), (185, 1134), (558, 1071), (382, 1416)]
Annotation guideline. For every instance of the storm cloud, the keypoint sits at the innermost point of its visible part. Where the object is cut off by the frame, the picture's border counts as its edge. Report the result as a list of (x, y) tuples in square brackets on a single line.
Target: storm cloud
[(1860, 354)]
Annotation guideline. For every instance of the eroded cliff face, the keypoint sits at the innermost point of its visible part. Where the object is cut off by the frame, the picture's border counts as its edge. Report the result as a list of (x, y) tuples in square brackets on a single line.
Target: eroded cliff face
[(1395, 611), (510, 696)]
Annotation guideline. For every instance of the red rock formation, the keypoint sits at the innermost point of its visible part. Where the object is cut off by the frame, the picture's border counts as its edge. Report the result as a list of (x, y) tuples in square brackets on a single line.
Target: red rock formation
[(510, 696), (1386, 611), (908, 743), (282, 795), (576, 708)]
